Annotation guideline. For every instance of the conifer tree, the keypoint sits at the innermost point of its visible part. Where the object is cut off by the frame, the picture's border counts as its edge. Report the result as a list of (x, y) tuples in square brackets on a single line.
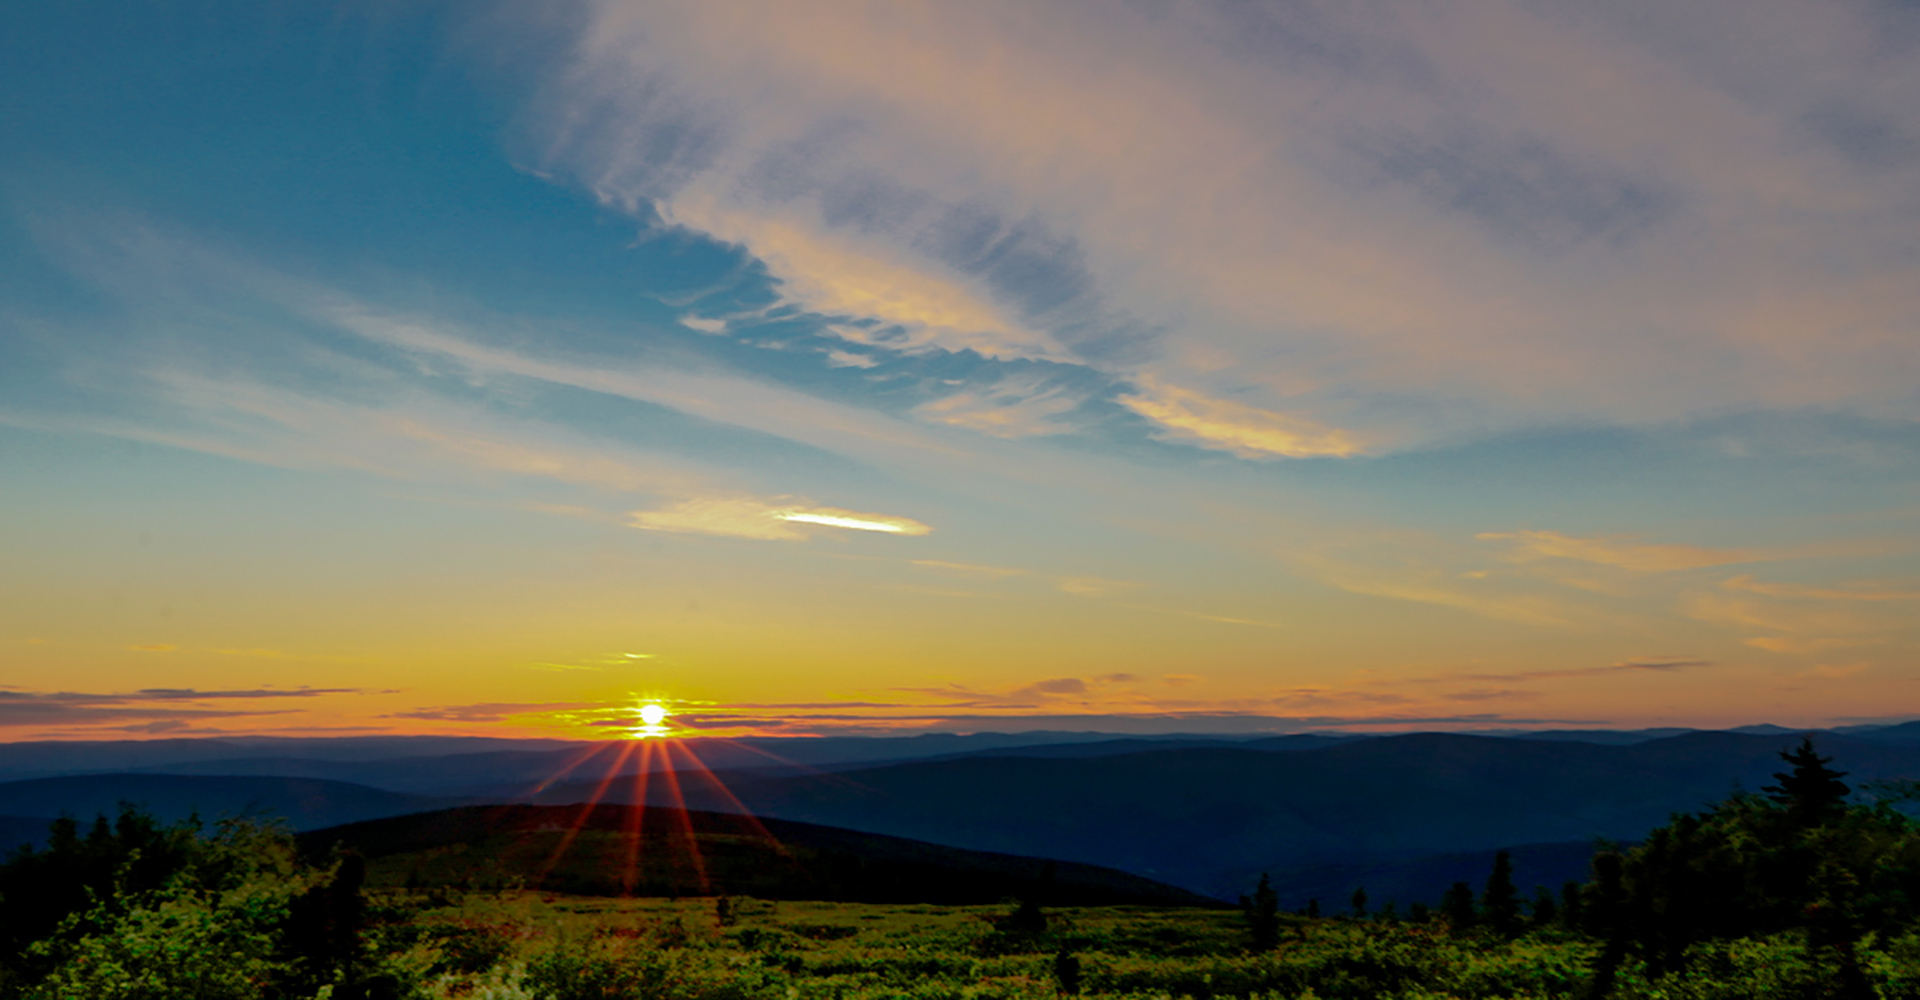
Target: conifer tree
[(1812, 792), (1570, 903), (1066, 972), (1500, 903), (1604, 915), (1457, 906), (1546, 911), (1360, 903), (1263, 915)]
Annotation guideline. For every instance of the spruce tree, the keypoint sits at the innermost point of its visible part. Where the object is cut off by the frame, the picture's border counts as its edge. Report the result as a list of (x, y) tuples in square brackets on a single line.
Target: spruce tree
[(1500, 903), (1457, 906), (1066, 972), (1546, 911), (1263, 915), (1812, 792), (1570, 903), (1360, 903)]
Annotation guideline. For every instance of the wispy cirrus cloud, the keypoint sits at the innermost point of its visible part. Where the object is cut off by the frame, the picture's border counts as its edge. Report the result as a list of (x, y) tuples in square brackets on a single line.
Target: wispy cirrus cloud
[(749, 518), (1226, 425), (1868, 591), (1802, 620), (1445, 227), (1621, 553), (1013, 408)]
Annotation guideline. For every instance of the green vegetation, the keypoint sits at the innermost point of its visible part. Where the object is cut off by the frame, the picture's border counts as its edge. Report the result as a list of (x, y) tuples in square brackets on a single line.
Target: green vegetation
[(1793, 893)]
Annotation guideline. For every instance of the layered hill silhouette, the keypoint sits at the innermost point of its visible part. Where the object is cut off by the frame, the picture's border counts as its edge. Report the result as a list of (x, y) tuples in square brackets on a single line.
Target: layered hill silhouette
[(303, 803), (1211, 819), (1398, 814), (619, 850)]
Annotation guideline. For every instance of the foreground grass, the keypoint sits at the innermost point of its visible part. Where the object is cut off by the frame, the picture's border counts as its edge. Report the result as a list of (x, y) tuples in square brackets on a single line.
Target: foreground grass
[(525, 945)]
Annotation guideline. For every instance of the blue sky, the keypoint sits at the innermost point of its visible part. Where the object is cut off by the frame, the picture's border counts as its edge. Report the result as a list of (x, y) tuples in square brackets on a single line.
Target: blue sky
[(898, 365)]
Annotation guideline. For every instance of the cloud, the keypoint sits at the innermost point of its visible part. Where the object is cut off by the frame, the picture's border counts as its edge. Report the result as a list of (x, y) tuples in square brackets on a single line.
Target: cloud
[(1250, 432), (970, 570), (1655, 664), (1790, 591), (156, 706), (493, 711), (192, 694), (1201, 616), (1795, 621), (1094, 586), (834, 273), (1015, 408), (1052, 690), (748, 518), (1621, 553), (1408, 577), (1407, 223)]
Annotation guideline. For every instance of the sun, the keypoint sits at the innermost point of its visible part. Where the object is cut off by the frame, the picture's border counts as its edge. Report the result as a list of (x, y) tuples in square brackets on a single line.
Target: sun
[(649, 719)]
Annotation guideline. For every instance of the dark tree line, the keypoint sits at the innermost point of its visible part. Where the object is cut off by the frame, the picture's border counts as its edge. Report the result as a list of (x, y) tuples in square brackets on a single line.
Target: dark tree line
[(285, 927), (1799, 857)]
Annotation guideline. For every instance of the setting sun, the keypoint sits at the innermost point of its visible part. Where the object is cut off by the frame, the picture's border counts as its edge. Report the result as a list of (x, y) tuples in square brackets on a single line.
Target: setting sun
[(652, 715)]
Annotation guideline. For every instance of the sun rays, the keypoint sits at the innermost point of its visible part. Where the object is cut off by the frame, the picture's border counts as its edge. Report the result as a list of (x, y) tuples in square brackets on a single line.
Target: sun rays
[(647, 789)]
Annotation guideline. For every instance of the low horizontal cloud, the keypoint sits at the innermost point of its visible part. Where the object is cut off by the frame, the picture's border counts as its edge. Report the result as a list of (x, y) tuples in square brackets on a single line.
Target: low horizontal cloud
[(1792, 591), (1095, 586), (1083, 690), (749, 518), (148, 706), (1191, 417), (969, 570), (491, 711), (1656, 664), (1622, 553), (1137, 723)]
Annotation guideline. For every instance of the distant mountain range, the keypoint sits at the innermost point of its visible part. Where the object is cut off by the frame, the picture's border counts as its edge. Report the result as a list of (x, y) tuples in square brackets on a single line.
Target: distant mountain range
[(1212, 818), (304, 803), (456, 765), (1323, 813)]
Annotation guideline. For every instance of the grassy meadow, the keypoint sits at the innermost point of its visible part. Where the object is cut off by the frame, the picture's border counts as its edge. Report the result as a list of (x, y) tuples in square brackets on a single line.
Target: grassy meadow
[(530, 945)]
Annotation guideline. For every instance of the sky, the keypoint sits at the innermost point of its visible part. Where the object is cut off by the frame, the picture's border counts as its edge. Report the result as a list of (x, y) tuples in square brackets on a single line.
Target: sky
[(881, 367)]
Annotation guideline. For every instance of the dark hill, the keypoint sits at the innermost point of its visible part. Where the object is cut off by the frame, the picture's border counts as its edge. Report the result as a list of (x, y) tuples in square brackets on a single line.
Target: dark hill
[(303, 802), (614, 850), (1212, 818)]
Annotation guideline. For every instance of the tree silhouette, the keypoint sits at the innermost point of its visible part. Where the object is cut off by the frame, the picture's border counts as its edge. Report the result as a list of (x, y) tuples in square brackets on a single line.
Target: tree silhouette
[(1500, 903), (1263, 915), (1812, 792), (1066, 972), (1457, 906), (1360, 903), (1546, 910)]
